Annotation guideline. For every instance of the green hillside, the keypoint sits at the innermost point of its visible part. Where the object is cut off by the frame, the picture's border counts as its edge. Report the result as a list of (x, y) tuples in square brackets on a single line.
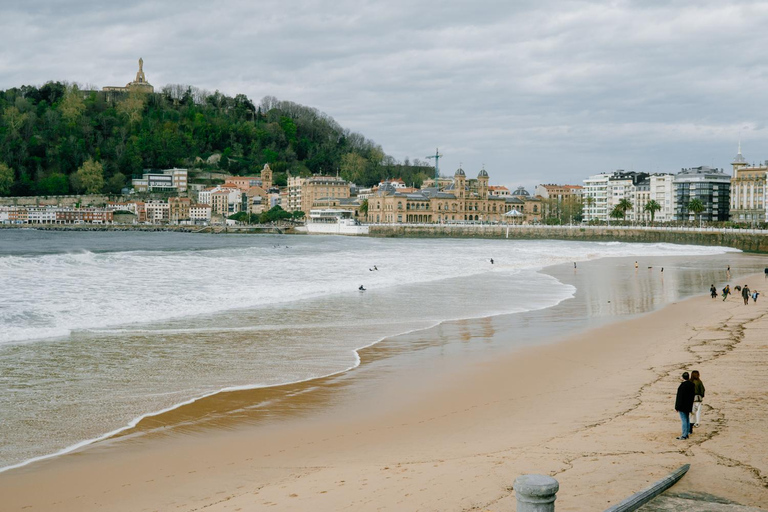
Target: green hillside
[(47, 133)]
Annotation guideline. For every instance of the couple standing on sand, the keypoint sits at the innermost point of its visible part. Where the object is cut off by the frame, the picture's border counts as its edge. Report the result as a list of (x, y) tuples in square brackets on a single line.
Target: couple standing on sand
[(690, 395)]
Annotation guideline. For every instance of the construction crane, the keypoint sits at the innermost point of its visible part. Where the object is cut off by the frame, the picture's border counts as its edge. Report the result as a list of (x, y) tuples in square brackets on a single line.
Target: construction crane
[(437, 156)]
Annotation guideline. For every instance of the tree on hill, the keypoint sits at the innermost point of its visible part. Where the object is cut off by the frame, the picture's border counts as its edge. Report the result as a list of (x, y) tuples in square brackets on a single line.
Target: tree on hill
[(49, 131), (89, 178), (6, 179)]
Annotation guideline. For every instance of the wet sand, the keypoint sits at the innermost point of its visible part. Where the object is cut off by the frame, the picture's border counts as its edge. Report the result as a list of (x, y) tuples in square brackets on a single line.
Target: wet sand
[(425, 425)]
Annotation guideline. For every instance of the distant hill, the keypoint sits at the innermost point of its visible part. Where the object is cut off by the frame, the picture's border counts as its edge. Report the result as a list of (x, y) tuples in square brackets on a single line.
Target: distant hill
[(47, 133)]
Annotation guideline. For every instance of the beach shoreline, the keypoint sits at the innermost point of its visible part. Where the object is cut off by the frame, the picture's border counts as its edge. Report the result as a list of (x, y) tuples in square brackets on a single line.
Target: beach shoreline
[(233, 432)]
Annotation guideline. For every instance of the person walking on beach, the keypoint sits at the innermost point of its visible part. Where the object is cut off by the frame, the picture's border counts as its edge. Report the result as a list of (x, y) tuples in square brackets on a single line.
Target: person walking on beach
[(698, 398), (745, 293), (726, 291), (713, 291), (755, 296), (686, 392), (636, 265)]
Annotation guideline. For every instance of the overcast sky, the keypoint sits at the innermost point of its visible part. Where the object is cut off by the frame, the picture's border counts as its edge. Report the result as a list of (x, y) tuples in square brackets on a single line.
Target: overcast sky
[(537, 91)]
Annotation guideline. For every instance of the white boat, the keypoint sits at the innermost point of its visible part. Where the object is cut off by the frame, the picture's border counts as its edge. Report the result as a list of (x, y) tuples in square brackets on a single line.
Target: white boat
[(334, 222)]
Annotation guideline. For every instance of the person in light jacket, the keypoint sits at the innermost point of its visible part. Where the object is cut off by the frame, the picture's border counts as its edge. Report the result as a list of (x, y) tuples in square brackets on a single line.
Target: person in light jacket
[(698, 397)]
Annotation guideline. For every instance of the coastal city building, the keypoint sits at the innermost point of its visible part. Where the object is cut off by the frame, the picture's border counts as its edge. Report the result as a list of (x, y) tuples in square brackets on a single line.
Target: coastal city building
[(560, 201), (460, 201), (498, 191), (200, 213), (303, 193), (169, 180), (748, 189), (595, 194), (709, 185), (157, 211), (178, 209), (54, 215), (662, 190), (226, 201)]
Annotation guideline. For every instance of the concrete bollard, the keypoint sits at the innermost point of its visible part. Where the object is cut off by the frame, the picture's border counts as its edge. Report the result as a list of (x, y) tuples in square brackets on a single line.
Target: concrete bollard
[(535, 493)]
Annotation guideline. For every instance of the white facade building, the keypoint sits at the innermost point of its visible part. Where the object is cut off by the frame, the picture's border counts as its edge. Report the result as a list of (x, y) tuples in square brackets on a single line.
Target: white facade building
[(157, 211), (41, 215), (199, 213), (168, 180), (662, 189), (596, 198)]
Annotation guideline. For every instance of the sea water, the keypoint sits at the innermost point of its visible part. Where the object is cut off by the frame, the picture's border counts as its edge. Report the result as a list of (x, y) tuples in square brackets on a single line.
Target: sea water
[(100, 329)]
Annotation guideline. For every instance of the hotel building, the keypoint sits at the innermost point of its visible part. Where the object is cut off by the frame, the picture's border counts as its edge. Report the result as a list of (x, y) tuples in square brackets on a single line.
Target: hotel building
[(748, 189)]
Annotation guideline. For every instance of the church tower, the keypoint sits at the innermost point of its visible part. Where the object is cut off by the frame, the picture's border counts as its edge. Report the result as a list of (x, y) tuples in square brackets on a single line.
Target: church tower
[(266, 177), (738, 162), (460, 184), (482, 184)]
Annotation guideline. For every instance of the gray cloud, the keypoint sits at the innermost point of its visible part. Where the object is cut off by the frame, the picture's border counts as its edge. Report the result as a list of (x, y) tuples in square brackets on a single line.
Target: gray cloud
[(536, 91)]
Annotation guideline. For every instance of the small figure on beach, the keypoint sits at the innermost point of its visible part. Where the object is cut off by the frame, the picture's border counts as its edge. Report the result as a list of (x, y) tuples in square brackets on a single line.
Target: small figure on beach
[(728, 272), (375, 267), (662, 270), (745, 294), (755, 295), (686, 392), (362, 288), (636, 266), (726, 291), (698, 398), (713, 291), (574, 264), (491, 261)]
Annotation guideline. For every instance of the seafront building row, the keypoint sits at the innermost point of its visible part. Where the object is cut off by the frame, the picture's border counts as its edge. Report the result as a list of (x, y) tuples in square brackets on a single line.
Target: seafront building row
[(740, 197)]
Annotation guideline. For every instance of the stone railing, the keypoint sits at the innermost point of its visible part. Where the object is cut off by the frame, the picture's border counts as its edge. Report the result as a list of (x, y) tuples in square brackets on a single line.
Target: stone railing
[(750, 240)]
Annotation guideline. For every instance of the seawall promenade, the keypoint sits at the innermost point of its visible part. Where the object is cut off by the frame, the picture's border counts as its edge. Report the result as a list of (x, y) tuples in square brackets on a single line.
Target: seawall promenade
[(748, 240)]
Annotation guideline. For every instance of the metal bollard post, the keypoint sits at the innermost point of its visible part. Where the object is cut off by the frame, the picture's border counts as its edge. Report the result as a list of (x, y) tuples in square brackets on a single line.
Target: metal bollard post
[(535, 493)]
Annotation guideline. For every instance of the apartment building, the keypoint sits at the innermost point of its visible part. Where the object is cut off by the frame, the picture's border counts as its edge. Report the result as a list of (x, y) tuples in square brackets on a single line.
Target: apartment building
[(748, 191), (178, 209), (157, 211), (595, 194), (200, 213), (662, 190), (709, 185)]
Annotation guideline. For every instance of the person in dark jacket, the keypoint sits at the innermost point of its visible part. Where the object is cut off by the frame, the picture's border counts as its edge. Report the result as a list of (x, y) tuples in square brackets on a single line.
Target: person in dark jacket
[(745, 293), (713, 291), (686, 392)]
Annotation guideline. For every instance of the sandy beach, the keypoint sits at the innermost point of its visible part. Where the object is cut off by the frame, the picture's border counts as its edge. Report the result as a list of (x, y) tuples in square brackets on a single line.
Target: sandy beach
[(595, 410)]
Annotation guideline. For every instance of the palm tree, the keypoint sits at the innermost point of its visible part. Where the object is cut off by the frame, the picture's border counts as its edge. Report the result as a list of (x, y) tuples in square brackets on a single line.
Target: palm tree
[(617, 213), (652, 207), (589, 201), (696, 206), (624, 206)]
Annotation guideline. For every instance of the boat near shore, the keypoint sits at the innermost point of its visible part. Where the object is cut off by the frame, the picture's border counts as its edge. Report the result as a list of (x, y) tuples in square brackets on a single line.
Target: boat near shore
[(329, 221)]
